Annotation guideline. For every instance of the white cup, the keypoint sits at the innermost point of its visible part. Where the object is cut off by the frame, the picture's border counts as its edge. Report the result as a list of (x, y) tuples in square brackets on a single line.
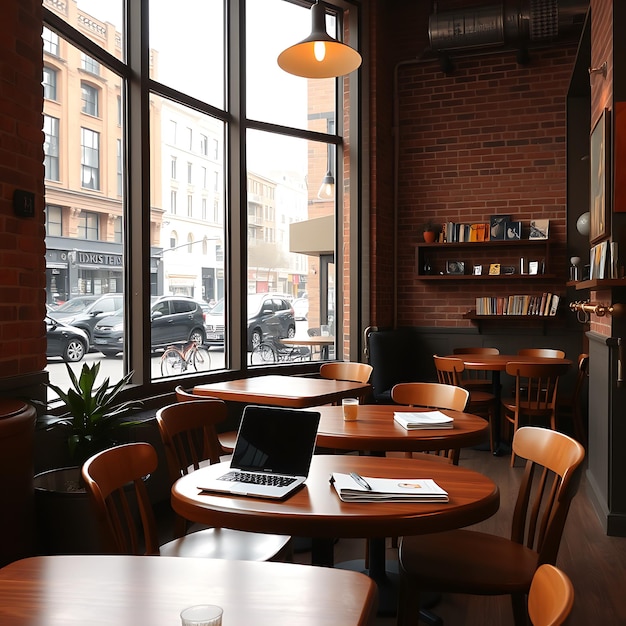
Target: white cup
[(350, 409), (202, 615)]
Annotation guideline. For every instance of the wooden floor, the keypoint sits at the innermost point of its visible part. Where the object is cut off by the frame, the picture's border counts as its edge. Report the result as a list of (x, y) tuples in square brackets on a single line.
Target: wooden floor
[(595, 563)]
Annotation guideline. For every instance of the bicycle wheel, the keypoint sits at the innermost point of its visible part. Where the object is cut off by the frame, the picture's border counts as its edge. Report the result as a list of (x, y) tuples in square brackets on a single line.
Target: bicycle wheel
[(201, 360), (172, 363), (262, 355)]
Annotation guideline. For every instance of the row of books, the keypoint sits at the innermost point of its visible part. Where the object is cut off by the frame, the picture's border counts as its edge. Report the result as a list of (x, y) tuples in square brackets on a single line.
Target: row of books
[(545, 304), (454, 232), (603, 260)]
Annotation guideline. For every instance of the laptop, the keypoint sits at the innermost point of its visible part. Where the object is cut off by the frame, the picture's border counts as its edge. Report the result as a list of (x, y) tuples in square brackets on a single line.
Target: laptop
[(272, 454)]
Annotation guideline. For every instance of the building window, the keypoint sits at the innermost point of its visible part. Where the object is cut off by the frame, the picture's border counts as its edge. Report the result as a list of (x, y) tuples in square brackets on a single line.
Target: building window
[(216, 180), (89, 98), (204, 178), (216, 146), (204, 209), (189, 243), (120, 164), (189, 205), (50, 42), (219, 253), (88, 225), (190, 138), (90, 65), (173, 202), (54, 220), (49, 83), (51, 147), (189, 173), (90, 158), (117, 229), (173, 168), (204, 145)]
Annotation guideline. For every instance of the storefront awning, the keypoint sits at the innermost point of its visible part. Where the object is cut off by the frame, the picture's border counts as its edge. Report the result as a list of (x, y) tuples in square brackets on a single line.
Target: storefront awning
[(313, 237)]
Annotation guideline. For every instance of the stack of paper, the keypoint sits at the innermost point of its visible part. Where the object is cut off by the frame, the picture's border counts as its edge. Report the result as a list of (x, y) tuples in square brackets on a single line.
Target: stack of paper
[(425, 419), (388, 489)]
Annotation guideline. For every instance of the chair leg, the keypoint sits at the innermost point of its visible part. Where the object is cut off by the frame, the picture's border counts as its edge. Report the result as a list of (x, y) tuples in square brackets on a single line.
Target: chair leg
[(408, 603), (520, 609)]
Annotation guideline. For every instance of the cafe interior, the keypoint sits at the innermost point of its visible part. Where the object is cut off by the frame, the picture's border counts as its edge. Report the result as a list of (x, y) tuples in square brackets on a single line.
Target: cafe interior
[(497, 125)]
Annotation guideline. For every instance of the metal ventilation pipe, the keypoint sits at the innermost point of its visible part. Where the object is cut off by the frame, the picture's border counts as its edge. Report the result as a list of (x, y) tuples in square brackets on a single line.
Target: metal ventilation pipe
[(512, 23)]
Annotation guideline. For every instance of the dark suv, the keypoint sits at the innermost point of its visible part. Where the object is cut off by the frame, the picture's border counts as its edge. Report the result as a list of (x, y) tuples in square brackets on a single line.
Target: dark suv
[(173, 319), (270, 316), (87, 317)]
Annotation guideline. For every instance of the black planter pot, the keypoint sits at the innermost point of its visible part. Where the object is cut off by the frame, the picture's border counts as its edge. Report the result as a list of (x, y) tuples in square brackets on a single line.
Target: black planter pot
[(64, 521)]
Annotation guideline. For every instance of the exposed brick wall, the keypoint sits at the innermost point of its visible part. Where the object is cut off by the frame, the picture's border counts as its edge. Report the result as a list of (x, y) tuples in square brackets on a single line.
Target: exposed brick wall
[(22, 248)]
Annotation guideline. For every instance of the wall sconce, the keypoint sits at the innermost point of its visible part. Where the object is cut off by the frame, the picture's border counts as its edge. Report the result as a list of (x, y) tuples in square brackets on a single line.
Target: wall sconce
[(601, 69), (582, 224), (327, 188), (319, 55)]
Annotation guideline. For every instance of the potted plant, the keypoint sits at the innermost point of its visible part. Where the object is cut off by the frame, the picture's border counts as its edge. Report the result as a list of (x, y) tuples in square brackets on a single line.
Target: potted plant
[(431, 230), (90, 423)]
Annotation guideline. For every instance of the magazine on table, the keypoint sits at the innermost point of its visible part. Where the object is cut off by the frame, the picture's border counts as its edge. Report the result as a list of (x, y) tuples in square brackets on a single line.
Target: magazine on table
[(355, 488), (423, 419)]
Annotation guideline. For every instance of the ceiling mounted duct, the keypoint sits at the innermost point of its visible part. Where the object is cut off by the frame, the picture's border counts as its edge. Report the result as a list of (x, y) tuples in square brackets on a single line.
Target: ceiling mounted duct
[(537, 21)]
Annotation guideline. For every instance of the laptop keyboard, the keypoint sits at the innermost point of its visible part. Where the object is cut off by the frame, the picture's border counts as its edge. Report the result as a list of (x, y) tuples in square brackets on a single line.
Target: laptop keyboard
[(258, 479)]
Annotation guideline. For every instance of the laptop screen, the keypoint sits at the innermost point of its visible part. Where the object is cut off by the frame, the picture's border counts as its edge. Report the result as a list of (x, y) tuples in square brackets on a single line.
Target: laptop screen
[(275, 440)]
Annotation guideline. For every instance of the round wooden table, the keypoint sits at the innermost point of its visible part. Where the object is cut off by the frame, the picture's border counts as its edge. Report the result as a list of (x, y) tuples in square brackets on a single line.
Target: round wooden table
[(316, 510), (375, 430), (496, 363)]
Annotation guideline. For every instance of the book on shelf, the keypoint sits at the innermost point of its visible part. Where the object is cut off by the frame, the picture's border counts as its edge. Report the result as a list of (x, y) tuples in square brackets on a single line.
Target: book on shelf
[(420, 420), (351, 489), (544, 305)]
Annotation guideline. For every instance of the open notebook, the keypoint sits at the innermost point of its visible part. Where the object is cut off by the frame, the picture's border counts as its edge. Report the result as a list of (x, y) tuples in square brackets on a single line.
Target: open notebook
[(423, 419), (272, 455)]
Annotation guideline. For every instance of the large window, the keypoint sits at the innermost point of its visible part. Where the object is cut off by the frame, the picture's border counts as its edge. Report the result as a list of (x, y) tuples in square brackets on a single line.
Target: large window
[(49, 83), (253, 170)]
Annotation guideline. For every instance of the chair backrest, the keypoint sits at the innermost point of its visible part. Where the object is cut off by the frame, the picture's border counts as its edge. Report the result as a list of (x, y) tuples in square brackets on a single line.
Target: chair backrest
[(551, 597), (430, 395), (554, 464), (189, 435), (475, 350), (581, 377), (114, 481), (542, 352), (315, 331), (536, 385), (344, 370), (449, 370)]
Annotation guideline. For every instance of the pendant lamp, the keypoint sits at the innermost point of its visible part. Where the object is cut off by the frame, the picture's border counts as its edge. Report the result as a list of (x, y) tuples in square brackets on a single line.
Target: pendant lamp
[(319, 55), (327, 188)]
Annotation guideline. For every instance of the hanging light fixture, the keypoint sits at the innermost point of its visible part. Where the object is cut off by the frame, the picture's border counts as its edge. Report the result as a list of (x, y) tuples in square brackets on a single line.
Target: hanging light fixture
[(327, 188), (319, 55)]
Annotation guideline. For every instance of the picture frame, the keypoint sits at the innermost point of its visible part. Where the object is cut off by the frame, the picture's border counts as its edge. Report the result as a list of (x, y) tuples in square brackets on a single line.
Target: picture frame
[(455, 268), (494, 269), (478, 270), (599, 179), (539, 229), (497, 227), (533, 267), (513, 231)]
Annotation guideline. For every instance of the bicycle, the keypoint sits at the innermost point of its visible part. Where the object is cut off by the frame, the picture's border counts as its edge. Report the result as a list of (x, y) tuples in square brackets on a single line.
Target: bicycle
[(176, 361), (272, 351)]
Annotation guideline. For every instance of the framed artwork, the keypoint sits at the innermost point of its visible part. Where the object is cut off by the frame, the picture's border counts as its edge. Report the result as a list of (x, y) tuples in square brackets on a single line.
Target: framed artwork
[(497, 227), (478, 270), (599, 179), (494, 269), (513, 231), (455, 267), (539, 229)]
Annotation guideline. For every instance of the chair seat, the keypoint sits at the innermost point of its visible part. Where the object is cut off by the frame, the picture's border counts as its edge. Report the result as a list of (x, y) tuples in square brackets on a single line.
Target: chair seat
[(509, 405), (227, 441), (480, 397), (465, 561), (224, 543)]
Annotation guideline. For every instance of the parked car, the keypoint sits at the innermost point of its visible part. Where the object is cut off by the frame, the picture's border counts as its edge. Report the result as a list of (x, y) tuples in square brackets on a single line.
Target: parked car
[(89, 316), (66, 341), (301, 308), (269, 316), (173, 319), (73, 307)]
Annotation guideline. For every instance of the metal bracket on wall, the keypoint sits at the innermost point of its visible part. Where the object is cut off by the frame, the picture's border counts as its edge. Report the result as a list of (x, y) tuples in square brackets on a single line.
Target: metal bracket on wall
[(587, 308)]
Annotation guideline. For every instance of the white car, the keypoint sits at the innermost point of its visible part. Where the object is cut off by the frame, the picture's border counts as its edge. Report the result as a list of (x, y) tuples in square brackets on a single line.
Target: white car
[(301, 308)]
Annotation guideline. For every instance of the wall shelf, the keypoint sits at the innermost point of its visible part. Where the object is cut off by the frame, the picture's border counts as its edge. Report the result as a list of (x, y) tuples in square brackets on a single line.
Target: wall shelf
[(480, 319), (599, 283)]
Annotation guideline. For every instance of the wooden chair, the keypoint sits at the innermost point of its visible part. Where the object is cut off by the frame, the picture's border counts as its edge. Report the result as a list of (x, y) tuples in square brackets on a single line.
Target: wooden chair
[(534, 394), (227, 439), (345, 370), (473, 562), (569, 406), (548, 353), (476, 379), (188, 432), (483, 403), (551, 596), (433, 396)]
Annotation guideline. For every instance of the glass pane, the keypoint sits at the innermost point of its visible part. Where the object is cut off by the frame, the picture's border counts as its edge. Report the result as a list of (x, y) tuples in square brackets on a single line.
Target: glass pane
[(187, 45), (284, 257), (102, 22), (189, 259), (84, 252), (273, 95)]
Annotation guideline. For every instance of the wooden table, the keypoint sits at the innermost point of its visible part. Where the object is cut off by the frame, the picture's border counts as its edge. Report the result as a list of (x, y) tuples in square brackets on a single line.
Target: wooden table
[(375, 430), (321, 341), (288, 391), (316, 511), (496, 363), (152, 590)]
